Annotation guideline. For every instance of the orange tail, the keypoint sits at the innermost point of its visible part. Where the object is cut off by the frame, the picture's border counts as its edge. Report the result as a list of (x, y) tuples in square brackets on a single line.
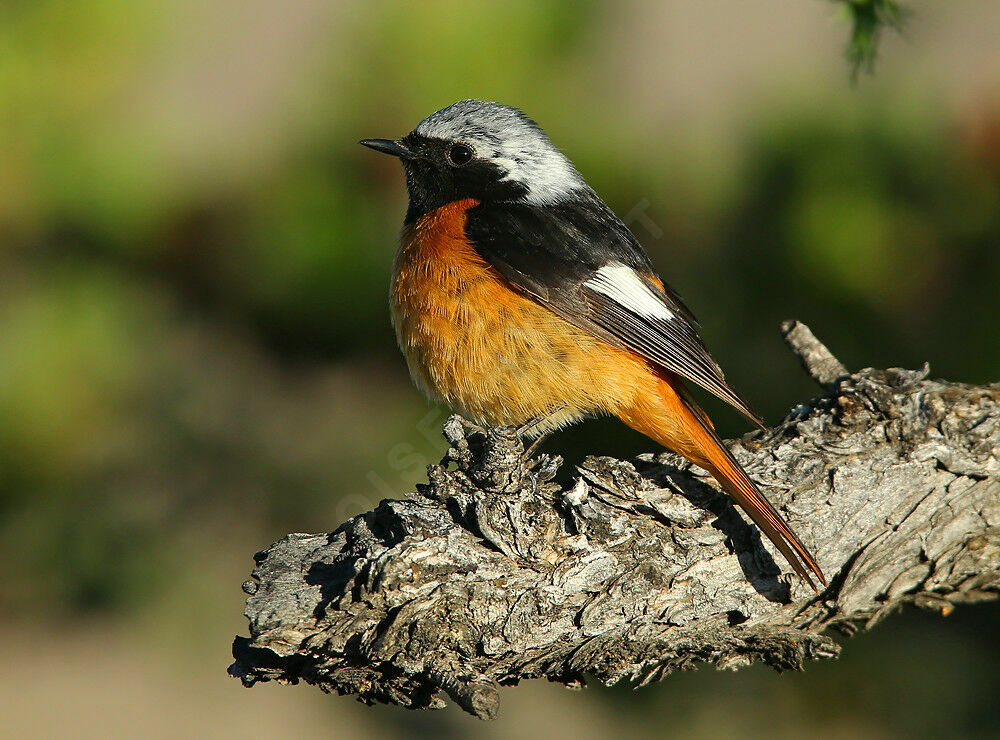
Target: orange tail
[(678, 423)]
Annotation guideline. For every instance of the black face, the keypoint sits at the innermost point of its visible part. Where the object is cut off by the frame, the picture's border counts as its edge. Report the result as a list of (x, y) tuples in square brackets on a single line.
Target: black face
[(439, 172)]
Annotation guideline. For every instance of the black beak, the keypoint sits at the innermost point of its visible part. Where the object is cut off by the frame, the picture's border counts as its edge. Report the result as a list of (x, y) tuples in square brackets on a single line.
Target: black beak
[(388, 146)]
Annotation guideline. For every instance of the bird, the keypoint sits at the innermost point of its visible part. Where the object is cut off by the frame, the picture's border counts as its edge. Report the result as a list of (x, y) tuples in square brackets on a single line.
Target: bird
[(519, 298)]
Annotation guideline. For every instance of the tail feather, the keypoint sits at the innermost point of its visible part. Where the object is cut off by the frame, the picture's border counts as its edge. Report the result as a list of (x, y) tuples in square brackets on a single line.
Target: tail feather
[(734, 481), (681, 425)]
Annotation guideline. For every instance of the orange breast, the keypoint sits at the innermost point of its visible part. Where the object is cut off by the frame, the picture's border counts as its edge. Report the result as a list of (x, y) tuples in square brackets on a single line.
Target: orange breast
[(492, 353)]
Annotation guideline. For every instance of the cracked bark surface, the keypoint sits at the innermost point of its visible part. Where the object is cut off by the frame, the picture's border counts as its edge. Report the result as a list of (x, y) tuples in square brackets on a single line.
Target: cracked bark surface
[(493, 572)]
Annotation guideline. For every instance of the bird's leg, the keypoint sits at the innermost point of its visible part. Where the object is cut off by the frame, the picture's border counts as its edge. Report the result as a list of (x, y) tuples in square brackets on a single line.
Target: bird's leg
[(471, 426), (536, 443), (531, 424)]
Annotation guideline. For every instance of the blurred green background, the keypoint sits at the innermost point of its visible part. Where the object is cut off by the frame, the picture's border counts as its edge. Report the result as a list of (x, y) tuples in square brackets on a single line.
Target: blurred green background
[(196, 357)]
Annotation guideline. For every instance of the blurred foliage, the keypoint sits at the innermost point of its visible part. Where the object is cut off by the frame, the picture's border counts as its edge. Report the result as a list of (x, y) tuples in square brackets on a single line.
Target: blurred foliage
[(195, 352), (869, 19)]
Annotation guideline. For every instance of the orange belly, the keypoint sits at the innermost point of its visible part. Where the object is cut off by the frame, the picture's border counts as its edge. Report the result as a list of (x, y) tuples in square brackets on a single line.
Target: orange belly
[(491, 353)]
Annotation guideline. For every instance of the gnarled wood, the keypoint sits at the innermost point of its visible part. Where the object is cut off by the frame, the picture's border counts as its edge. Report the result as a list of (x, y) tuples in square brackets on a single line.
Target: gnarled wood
[(494, 572)]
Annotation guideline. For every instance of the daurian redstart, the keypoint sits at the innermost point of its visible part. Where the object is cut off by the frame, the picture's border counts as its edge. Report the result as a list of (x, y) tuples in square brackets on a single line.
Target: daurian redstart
[(518, 296)]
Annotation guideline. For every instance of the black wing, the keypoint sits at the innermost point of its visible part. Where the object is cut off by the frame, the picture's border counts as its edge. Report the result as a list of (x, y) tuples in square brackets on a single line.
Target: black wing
[(561, 255)]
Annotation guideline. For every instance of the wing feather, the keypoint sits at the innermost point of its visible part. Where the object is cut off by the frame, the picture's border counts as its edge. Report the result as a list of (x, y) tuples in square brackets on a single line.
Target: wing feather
[(583, 262)]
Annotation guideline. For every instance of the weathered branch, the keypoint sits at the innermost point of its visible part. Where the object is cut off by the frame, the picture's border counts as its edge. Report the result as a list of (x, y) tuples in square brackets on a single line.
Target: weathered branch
[(494, 572)]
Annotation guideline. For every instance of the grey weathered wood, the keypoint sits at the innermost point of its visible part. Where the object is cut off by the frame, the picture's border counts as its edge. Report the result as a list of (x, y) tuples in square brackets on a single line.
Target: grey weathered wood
[(494, 572), (816, 359)]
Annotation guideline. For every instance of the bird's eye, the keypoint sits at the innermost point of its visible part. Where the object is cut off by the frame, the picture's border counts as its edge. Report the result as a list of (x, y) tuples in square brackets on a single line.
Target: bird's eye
[(460, 154)]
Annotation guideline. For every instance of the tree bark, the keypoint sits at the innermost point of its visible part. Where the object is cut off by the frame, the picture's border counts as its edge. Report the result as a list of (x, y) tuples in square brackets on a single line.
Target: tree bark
[(493, 572)]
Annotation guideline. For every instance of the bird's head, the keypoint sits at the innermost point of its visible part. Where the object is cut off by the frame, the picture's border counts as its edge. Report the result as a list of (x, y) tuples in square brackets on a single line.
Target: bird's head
[(486, 151)]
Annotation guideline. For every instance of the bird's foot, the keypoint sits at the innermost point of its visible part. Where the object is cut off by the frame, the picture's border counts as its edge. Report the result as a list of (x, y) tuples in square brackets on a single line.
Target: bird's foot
[(496, 458)]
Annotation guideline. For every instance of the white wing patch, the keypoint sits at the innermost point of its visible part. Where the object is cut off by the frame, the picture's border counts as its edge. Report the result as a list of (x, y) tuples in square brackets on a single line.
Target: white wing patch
[(625, 286)]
